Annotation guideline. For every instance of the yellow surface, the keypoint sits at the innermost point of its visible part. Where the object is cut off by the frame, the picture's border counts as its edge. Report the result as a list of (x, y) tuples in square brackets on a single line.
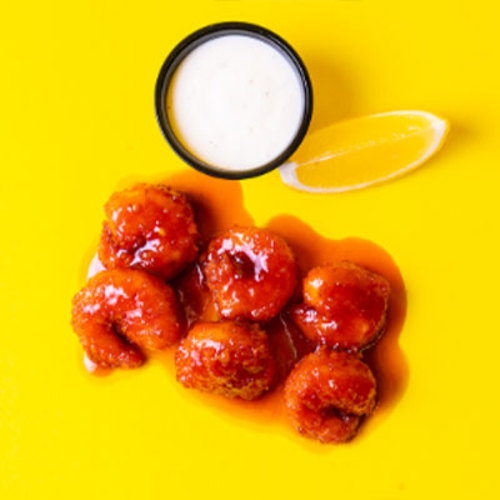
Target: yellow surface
[(77, 120), (356, 153)]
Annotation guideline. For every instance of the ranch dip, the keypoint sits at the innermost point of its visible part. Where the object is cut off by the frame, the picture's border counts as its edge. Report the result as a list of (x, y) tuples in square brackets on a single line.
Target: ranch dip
[(236, 102)]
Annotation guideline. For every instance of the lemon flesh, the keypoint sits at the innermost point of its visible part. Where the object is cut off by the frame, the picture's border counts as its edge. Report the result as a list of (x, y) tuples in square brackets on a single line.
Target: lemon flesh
[(360, 152)]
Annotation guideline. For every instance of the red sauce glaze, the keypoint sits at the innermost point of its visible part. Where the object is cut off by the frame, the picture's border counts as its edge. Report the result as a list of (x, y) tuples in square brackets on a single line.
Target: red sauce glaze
[(327, 392), (288, 343), (149, 227), (251, 273), (345, 306), (385, 359), (228, 358), (195, 297), (210, 198), (122, 311)]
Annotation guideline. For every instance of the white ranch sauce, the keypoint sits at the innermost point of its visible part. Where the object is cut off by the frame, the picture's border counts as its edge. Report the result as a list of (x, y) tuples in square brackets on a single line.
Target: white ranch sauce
[(236, 102)]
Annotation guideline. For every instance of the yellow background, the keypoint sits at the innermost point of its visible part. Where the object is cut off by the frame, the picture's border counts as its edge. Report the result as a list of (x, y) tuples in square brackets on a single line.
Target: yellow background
[(77, 121)]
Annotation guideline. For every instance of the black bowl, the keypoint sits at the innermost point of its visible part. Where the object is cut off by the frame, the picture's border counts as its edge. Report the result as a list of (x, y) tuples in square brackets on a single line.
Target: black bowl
[(183, 49)]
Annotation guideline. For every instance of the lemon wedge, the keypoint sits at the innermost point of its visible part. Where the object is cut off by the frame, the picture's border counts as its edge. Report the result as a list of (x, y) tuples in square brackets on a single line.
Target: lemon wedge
[(364, 151)]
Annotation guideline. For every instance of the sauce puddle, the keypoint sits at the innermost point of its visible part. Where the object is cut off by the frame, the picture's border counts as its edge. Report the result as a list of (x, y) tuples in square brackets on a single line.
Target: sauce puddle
[(219, 205)]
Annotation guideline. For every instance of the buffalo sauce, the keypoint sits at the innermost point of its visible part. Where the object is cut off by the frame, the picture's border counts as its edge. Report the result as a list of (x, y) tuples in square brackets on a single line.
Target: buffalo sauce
[(219, 205), (311, 249)]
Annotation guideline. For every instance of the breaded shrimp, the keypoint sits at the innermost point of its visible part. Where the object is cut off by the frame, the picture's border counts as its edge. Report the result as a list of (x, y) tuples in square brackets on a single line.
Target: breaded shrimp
[(251, 273), (120, 312), (149, 227), (326, 394), (228, 358), (344, 306)]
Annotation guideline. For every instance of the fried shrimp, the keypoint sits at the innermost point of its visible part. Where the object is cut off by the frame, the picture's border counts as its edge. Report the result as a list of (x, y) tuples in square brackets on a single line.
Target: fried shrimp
[(149, 227), (327, 393), (228, 358), (122, 311), (344, 306), (251, 273)]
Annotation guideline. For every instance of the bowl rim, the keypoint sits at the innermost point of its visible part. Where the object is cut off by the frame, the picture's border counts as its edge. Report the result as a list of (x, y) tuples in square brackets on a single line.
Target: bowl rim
[(200, 36)]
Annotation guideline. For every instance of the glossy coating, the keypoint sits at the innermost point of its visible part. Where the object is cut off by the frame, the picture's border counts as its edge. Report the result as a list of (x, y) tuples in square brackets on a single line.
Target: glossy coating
[(228, 358), (327, 392), (288, 343), (195, 297), (251, 273), (150, 227), (122, 311), (344, 306)]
